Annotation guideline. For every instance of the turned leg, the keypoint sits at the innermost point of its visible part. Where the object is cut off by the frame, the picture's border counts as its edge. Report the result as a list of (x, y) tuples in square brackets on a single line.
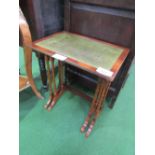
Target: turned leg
[(99, 104), (49, 80), (57, 93), (42, 68), (93, 120), (53, 76), (92, 108), (61, 74)]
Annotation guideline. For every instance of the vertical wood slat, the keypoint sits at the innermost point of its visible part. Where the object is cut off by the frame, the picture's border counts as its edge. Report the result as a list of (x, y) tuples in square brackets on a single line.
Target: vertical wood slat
[(67, 15), (49, 75), (53, 75)]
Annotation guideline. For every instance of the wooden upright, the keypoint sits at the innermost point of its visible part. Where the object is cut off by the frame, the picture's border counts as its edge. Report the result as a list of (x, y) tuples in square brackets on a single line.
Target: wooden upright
[(26, 38)]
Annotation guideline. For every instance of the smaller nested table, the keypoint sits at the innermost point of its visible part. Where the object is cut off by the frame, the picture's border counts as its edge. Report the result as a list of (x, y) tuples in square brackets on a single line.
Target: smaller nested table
[(94, 56)]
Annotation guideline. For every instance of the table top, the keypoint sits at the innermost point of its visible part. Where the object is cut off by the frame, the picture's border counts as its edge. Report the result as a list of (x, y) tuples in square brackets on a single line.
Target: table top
[(95, 56)]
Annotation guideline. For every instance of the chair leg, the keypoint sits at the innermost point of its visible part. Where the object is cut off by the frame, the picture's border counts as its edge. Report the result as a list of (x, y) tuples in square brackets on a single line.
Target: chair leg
[(28, 61)]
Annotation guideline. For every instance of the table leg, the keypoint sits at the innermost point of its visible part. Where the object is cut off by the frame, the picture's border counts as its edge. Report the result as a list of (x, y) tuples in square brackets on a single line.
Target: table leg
[(53, 75), (93, 119), (56, 92), (49, 80), (61, 74), (42, 68), (92, 108), (104, 86)]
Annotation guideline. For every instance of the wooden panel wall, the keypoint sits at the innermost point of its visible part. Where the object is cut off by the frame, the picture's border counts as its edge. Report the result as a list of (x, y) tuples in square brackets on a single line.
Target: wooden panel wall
[(44, 18), (126, 4)]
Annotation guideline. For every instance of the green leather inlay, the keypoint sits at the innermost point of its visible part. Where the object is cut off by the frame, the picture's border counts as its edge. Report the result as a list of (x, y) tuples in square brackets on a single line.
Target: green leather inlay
[(88, 51)]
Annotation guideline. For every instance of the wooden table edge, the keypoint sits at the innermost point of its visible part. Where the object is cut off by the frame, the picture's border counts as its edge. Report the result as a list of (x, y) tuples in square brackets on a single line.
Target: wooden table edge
[(115, 68)]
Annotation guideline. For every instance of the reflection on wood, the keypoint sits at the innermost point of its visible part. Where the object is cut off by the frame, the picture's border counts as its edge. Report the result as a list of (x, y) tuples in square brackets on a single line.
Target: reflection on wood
[(23, 83)]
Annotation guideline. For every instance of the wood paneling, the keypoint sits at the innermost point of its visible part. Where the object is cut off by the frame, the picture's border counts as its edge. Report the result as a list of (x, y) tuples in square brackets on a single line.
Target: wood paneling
[(127, 4), (114, 26)]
